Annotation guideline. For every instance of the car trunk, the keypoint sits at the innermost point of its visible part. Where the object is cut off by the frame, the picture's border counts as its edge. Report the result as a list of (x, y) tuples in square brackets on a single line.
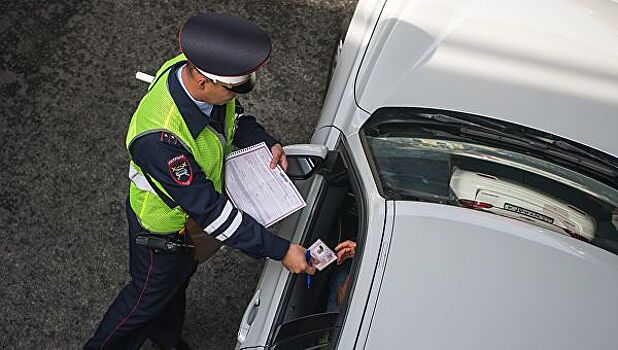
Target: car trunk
[(463, 279)]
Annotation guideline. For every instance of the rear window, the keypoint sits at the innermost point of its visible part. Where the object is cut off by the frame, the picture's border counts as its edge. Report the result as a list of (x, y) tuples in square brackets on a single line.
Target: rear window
[(462, 160)]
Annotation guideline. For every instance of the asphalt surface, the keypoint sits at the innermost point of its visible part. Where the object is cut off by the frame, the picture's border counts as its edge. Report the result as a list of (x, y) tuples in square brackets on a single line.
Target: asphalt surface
[(67, 92)]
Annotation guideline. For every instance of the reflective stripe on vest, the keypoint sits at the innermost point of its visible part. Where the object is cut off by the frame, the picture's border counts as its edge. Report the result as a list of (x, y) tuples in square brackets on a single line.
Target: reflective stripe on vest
[(139, 180)]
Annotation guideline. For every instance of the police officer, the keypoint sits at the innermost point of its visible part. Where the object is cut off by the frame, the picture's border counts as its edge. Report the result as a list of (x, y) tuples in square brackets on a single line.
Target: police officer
[(177, 140)]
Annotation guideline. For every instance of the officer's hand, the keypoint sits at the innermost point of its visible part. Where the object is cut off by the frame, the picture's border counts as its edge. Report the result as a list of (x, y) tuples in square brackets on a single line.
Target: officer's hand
[(295, 262), (278, 157)]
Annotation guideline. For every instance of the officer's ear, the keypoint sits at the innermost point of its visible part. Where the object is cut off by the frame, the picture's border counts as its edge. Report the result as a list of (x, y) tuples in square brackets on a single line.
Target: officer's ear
[(203, 82)]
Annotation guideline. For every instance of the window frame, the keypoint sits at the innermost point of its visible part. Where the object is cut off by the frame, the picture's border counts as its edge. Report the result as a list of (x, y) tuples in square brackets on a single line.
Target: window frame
[(341, 151), (428, 125)]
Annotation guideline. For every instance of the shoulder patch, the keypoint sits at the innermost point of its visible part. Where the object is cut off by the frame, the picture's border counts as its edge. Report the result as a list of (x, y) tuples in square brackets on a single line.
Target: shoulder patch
[(180, 170), (168, 138)]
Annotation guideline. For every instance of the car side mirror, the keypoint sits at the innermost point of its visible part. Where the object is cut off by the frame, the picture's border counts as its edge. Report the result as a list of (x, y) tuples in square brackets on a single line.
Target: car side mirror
[(304, 160), (302, 167)]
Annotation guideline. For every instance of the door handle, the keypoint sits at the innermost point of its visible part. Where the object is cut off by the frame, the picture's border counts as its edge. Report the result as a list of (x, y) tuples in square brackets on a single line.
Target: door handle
[(248, 317)]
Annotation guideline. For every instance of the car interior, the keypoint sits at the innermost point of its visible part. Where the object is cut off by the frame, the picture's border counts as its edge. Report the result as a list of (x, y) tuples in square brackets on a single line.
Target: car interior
[(431, 151), (305, 320)]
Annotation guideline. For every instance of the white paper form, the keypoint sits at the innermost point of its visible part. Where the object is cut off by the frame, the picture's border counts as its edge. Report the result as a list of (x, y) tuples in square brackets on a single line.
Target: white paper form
[(268, 195)]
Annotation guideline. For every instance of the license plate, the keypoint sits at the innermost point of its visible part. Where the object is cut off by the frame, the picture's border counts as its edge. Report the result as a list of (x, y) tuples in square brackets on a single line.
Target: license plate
[(528, 212)]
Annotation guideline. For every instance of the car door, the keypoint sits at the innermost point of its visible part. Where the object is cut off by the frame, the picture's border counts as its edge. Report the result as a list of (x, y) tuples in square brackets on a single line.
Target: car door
[(305, 162), (341, 200)]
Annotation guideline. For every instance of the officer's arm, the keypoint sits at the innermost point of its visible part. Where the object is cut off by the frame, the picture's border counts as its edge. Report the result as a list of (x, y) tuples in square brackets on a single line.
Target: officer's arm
[(157, 153), (249, 131)]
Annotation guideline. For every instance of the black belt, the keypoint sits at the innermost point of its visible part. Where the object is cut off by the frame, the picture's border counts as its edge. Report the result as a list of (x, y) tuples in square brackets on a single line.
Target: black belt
[(191, 239), (170, 243)]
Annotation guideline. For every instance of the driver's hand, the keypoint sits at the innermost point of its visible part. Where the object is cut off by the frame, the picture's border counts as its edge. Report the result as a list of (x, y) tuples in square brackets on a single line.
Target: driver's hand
[(294, 260), (345, 250)]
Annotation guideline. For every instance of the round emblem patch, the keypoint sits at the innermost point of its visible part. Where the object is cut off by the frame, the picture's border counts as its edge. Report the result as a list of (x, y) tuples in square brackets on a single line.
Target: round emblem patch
[(180, 170)]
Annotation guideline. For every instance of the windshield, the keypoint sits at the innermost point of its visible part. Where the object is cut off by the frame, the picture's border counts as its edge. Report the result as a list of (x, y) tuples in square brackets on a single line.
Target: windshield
[(517, 174)]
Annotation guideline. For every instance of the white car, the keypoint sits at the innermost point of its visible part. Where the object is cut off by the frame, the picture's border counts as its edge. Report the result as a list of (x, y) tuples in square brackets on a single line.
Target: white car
[(424, 95)]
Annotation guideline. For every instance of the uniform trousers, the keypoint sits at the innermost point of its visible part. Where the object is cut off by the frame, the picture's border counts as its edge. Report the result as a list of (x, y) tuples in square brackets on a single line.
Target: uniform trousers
[(152, 304)]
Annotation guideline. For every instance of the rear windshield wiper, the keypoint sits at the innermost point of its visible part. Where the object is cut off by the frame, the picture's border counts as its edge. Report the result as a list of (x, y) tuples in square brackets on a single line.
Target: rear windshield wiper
[(444, 118), (494, 133), (561, 151), (514, 140), (555, 150)]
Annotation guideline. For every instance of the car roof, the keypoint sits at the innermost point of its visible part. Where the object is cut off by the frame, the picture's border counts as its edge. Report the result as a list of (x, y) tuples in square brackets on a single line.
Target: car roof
[(462, 279), (551, 65)]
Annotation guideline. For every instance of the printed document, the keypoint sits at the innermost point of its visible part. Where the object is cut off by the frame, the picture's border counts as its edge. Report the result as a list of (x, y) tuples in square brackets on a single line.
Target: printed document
[(268, 195)]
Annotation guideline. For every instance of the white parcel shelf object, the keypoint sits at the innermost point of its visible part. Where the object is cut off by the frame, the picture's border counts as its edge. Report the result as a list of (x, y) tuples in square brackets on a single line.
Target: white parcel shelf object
[(268, 195)]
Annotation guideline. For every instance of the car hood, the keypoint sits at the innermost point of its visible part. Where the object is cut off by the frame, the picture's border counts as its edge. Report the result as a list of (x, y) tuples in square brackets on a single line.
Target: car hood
[(550, 65), (461, 279)]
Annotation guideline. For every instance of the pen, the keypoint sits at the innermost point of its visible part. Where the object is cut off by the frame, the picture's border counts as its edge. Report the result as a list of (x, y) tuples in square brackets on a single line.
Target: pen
[(308, 258)]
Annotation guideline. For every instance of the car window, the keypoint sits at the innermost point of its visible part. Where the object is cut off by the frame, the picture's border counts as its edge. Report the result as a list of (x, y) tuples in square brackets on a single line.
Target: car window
[(461, 160), (309, 314)]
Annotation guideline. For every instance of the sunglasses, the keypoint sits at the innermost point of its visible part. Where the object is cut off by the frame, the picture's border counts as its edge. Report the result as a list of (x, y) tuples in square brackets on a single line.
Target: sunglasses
[(243, 87)]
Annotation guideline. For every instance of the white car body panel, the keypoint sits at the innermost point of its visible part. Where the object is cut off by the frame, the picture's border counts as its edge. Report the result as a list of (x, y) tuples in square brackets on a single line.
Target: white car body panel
[(479, 281), (373, 251), (356, 332), (550, 65), (340, 109), (328, 136)]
